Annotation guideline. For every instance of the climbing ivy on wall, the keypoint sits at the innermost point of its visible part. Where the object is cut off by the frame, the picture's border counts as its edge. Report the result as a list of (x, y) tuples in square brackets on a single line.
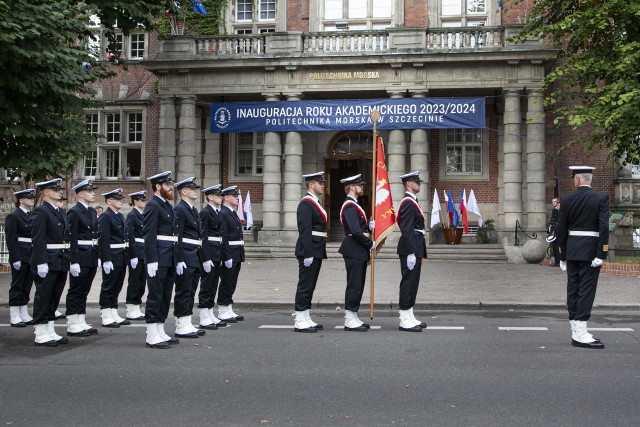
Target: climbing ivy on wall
[(196, 23)]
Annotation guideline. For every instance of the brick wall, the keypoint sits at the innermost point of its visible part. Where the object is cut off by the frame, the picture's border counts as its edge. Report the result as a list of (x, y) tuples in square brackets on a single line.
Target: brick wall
[(298, 15), (616, 269), (415, 13), (255, 188), (515, 12)]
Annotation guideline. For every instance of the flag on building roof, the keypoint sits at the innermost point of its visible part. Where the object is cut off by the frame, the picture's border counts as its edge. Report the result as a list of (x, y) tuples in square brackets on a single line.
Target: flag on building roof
[(198, 7)]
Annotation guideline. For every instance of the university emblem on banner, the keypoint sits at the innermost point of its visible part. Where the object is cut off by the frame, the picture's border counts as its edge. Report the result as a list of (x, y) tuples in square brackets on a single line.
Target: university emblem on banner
[(222, 117)]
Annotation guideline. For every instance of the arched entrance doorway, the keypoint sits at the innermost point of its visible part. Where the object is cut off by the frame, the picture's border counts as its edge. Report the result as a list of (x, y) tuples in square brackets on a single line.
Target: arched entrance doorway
[(350, 153)]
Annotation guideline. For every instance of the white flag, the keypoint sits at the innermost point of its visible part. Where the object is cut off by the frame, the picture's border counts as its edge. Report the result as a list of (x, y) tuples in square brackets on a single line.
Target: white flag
[(247, 211), (472, 206), (240, 212), (435, 210)]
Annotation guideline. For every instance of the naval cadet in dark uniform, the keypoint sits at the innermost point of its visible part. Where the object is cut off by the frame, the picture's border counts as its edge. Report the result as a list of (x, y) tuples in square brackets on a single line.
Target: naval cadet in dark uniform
[(50, 260), (583, 239), (83, 223), (412, 249), (212, 255), (17, 228), (189, 267), (160, 257), (356, 251), (137, 279), (113, 243), (551, 231), (232, 255), (310, 250)]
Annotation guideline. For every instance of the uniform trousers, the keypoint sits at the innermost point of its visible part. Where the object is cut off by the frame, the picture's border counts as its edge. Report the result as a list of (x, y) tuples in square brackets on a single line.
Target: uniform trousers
[(409, 283), (228, 283), (159, 289), (209, 286), (582, 280), (307, 279), (556, 252), (47, 297), (111, 287), (186, 285), (136, 283), (78, 291), (356, 273), (21, 282)]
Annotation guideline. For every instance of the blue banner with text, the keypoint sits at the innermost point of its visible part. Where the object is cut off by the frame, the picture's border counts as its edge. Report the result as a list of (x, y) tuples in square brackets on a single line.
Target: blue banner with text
[(332, 115)]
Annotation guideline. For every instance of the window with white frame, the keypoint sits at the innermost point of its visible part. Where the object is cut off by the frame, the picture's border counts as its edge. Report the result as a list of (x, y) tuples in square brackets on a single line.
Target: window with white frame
[(249, 146), (244, 11), (357, 14), (254, 16), (267, 10), (136, 46), (118, 154), (464, 13), (464, 154), (131, 47)]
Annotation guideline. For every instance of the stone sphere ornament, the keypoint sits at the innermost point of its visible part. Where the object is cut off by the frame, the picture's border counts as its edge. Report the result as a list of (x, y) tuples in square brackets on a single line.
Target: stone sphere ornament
[(534, 251)]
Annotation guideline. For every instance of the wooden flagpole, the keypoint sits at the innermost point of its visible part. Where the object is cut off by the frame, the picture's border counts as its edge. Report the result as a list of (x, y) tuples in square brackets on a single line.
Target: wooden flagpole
[(375, 116)]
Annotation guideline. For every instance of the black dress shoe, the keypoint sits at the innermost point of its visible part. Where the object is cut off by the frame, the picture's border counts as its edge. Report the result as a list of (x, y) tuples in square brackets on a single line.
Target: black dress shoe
[(135, 318), (239, 318), (230, 320), (200, 332), (125, 322), (63, 340), (111, 325), (423, 325), (211, 327), (189, 335), (173, 340), (51, 343), (595, 344), (311, 330), (92, 331), (30, 322), (62, 316), (366, 325), (78, 334), (221, 324), (319, 327), (19, 325), (412, 329), (360, 328), (161, 345)]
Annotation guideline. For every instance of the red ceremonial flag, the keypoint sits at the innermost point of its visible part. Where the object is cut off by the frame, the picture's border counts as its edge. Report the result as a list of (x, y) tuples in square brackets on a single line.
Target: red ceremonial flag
[(384, 215)]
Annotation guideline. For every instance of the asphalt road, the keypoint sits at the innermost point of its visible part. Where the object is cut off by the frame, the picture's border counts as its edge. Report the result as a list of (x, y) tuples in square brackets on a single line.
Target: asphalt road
[(468, 373)]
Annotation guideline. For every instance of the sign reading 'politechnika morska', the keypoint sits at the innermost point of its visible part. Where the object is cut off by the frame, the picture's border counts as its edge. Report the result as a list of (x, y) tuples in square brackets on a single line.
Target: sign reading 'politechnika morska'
[(330, 115)]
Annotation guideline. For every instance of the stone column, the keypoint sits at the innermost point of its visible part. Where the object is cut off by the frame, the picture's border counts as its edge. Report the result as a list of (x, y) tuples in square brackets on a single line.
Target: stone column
[(419, 152), (512, 160), (500, 222), (536, 176), (271, 178), (396, 152), (186, 166), (292, 174), (167, 137)]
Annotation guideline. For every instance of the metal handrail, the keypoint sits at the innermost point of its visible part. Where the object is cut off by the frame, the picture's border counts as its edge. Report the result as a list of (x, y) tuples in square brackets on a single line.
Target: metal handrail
[(516, 241)]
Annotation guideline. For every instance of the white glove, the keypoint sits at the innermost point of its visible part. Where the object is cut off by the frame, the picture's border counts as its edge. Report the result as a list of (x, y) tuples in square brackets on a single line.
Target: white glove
[(411, 261), (597, 262), (99, 263), (152, 268), (563, 265), (372, 225), (207, 265), (228, 263), (134, 263), (43, 269), (180, 268), (107, 267), (74, 269), (373, 245), (308, 261), (17, 265)]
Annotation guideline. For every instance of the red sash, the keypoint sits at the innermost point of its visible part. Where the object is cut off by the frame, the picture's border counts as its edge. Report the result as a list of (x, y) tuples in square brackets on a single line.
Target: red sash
[(414, 202), (357, 206), (324, 217)]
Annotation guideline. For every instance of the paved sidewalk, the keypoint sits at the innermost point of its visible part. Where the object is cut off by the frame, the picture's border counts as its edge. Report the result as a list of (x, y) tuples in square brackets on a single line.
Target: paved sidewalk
[(272, 284)]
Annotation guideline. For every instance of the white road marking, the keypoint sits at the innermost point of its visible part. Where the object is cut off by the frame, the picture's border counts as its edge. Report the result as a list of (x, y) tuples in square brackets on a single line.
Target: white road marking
[(611, 329), (446, 328), (275, 327), (523, 328), (342, 327)]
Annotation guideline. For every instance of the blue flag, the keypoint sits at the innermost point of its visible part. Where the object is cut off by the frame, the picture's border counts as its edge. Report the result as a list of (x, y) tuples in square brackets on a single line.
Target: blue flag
[(451, 208), (198, 7)]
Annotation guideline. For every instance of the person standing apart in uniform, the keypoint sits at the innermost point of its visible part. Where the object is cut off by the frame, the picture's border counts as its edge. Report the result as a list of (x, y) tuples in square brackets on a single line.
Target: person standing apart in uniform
[(551, 233), (583, 240), (232, 254), (50, 260), (412, 249), (189, 267), (160, 257), (310, 250), (356, 251), (137, 275), (113, 244), (17, 228), (211, 254), (83, 223)]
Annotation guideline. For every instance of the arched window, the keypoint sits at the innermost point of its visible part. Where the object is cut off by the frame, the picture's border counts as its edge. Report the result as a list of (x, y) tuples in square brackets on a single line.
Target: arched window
[(353, 145)]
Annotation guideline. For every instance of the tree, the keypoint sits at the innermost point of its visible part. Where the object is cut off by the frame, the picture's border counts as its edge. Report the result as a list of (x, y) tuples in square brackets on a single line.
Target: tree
[(596, 81), (45, 70)]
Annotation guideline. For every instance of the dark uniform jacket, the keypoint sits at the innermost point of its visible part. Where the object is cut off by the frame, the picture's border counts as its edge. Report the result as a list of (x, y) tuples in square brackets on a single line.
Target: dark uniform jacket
[(112, 232), (310, 219), (133, 223), (18, 224), (356, 244), (159, 220), (411, 219), (49, 226), (232, 232), (211, 226), (189, 227), (583, 210), (553, 224), (83, 224)]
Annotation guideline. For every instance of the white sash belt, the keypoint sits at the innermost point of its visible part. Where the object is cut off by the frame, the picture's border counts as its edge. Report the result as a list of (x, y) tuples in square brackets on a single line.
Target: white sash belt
[(214, 239), (419, 231), (192, 241), (93, 242), (119, 245), (367, 235), (319, 233), (24, 239), (167, 238), (58, 246), (584, 233), (139, 240), (236, 243)]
